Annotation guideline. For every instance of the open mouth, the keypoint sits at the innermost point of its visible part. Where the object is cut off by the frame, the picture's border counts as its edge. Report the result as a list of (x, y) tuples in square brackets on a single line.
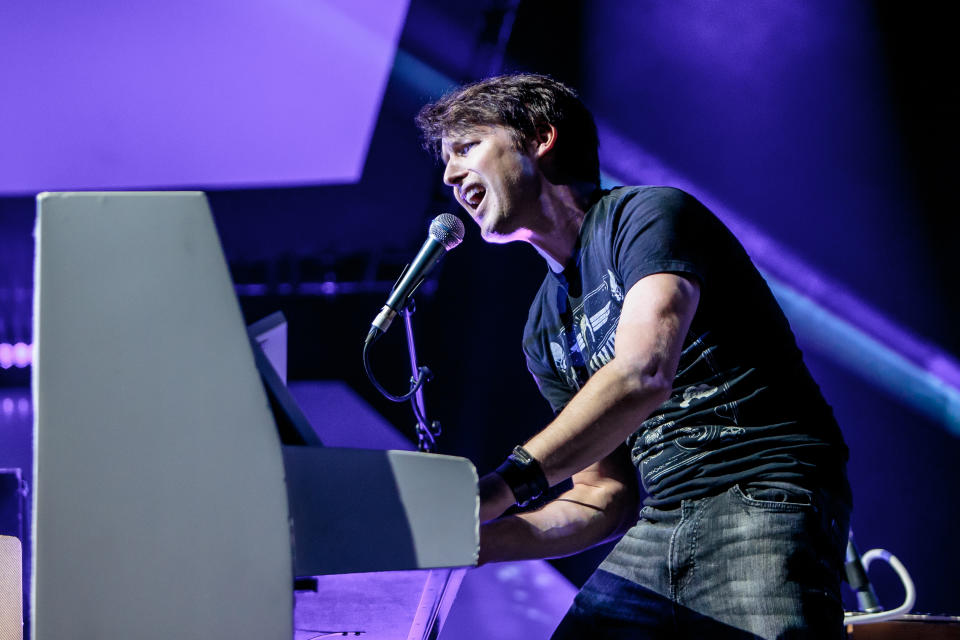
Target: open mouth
[(473, 195)]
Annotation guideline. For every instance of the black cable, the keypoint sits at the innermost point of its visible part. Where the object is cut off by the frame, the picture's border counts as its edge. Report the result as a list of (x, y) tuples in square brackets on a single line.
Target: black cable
[(423, 373)]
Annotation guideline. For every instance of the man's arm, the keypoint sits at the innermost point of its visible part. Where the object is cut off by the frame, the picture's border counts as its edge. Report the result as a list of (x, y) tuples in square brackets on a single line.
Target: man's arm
[(601, 505), (655, 318)]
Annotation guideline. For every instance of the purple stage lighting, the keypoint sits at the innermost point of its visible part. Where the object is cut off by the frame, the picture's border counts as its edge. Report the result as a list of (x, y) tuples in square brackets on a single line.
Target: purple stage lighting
[(6, 355), (116, 95), (824, 314), (18, 355)]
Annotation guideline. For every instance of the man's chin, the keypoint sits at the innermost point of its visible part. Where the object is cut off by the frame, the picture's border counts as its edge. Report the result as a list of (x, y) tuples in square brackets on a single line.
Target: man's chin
[(490, 239), (495, 235), (499, 230), (487, 231)]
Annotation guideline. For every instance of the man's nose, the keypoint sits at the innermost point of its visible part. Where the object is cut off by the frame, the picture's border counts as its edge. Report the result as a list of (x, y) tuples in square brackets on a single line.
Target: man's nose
[(452, 173)]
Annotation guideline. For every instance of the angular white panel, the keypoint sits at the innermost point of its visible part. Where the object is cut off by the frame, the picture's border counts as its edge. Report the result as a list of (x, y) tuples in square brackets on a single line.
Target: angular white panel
[(160, 508)]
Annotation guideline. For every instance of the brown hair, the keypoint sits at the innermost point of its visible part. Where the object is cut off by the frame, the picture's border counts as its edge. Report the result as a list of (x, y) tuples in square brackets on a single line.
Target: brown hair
[(521, 103)]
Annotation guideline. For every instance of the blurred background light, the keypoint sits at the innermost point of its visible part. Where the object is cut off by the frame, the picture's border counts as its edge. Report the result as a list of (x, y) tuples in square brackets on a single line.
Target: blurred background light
[(18, 355), (113, 95)]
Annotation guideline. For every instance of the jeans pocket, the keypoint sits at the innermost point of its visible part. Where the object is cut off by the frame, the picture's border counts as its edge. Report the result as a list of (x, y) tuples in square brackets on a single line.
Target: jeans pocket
[(775, 496)]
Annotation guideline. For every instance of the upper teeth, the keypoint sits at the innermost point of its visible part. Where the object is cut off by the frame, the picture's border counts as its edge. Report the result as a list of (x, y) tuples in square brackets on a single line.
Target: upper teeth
[(473, 195)]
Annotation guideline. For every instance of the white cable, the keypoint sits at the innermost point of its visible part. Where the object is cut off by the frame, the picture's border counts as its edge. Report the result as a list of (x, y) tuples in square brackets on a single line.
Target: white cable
[(910, 593)]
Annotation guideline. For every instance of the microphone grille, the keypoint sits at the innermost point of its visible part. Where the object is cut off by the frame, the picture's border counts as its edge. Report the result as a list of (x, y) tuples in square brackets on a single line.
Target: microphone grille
[(447, 229)]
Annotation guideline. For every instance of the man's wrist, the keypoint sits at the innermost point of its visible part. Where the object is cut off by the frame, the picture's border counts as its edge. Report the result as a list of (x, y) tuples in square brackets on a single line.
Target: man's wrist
[(524, 475)]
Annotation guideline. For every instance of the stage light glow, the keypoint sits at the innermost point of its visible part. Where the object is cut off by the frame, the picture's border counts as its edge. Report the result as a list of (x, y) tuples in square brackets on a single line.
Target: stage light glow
[(22, 354), (6, 355), (18, 355)]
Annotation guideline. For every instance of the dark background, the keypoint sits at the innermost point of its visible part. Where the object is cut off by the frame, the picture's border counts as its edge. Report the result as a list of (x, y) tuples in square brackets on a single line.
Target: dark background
[(831, 126)]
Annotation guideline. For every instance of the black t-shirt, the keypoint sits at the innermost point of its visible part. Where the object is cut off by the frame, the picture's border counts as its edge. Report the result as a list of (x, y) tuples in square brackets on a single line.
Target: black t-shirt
[(743, 405)]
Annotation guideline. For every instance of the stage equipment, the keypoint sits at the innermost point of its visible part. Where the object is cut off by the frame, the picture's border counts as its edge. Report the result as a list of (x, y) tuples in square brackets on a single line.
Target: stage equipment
[(11, 588), (908, 627), (858, 581), (856, 569), (165, 502), (446, 232)]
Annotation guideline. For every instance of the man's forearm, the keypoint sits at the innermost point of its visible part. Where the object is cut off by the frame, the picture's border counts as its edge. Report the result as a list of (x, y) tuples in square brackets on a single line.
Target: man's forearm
[(594, 424), (599, 418), (580, 518)]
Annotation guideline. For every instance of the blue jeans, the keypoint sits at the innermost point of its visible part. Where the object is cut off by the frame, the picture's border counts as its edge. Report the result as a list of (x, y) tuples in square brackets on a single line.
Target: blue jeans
[(761, 560)]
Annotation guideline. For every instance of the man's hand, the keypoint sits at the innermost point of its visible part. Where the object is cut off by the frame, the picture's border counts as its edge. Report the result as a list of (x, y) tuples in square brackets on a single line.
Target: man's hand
[(495, 496)]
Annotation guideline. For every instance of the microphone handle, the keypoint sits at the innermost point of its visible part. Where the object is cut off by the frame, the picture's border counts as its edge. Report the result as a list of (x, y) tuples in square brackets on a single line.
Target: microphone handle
[(431, 251)]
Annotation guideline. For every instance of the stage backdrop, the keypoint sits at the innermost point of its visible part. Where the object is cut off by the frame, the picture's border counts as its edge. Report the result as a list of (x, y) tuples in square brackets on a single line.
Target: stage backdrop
[(112, 95)]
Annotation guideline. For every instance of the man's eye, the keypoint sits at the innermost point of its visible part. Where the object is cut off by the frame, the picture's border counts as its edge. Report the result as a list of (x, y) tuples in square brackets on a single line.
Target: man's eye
[(465, 147)]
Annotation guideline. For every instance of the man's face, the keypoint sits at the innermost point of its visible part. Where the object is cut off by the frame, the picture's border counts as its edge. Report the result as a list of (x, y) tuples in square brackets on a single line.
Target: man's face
[(497, 184)]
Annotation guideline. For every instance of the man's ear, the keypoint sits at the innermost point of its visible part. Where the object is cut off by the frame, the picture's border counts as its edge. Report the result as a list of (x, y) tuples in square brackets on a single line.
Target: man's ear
[(546, 139)]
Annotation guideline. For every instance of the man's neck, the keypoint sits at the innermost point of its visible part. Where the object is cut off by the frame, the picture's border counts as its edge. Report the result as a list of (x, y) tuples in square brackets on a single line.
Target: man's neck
[(563, 209)]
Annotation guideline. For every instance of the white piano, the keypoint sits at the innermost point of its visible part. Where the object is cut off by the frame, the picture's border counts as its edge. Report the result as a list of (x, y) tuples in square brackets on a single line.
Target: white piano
[(164, 503)]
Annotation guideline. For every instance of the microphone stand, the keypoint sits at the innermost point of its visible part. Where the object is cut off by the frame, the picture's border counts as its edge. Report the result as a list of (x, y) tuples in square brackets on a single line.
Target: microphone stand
[(446, 232), (427, 432), (857, 579)]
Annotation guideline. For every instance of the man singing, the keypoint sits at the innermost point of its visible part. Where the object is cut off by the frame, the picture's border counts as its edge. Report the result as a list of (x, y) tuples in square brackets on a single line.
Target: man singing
[(665, 358)]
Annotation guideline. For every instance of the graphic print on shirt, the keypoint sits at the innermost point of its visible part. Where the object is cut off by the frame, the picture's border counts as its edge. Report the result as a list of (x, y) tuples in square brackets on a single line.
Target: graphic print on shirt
[(586, 342), (559, 352), (669, 441)]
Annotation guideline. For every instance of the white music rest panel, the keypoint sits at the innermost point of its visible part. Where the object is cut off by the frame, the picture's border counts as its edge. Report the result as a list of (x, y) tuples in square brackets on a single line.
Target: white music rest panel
[(357, 510), (160, 509)]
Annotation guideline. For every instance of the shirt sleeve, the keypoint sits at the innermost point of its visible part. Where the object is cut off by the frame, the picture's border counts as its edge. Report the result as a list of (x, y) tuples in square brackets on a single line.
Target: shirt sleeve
[(661, 230)]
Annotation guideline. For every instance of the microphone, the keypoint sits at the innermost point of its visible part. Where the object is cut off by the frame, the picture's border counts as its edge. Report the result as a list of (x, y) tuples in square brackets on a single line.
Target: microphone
[(446, 232)]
